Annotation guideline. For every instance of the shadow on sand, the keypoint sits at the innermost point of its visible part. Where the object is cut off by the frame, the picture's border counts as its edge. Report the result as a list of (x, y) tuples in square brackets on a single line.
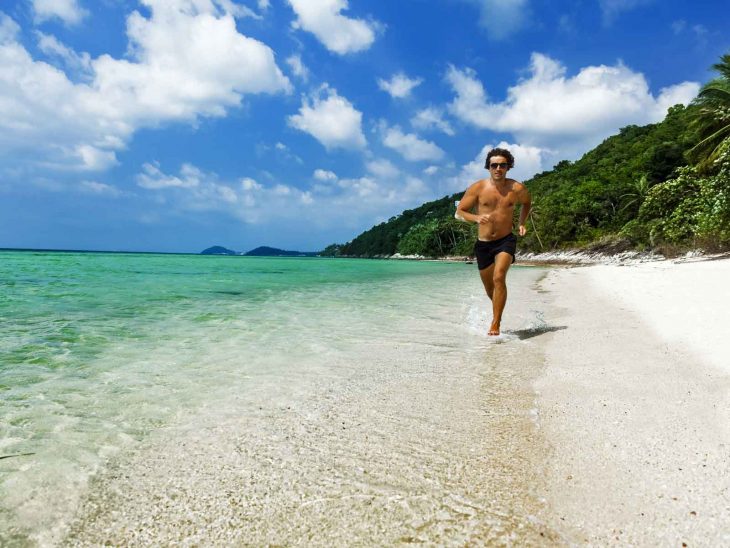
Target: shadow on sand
[(530, 332)]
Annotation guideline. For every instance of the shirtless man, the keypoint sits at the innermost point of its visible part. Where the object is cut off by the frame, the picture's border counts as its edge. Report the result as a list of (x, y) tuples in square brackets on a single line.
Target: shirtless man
[(495, 199)]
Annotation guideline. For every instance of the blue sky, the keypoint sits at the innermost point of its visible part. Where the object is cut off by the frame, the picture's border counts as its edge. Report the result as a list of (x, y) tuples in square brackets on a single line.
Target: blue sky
[(173, 125)]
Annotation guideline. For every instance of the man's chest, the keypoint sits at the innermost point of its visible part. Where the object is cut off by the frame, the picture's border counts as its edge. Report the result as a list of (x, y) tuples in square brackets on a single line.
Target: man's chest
[(493, 199)]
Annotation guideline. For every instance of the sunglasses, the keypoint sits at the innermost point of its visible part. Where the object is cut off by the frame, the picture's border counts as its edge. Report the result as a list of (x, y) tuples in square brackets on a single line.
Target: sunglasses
[(495, 165)]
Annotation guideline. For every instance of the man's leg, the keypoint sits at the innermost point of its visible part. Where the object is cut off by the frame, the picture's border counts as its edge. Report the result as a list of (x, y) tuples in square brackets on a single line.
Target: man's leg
[(501, 265), (486, 274)]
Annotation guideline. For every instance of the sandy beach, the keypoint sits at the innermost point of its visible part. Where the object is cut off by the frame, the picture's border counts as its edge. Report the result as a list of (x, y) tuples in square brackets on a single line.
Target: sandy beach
[(635, 403)]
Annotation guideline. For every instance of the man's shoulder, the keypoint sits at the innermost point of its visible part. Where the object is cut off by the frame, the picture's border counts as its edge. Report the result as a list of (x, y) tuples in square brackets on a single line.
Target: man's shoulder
[(517, 186)]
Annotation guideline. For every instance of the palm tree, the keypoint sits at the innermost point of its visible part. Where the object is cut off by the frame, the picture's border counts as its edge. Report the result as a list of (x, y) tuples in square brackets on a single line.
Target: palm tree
[(712, 119), (637, 194)]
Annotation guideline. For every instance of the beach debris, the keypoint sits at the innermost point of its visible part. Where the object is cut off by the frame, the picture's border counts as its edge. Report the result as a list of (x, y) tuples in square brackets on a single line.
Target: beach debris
[(16, 455)]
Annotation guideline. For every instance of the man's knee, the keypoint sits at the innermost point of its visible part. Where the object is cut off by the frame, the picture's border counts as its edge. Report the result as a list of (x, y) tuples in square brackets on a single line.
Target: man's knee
[(499, 277)]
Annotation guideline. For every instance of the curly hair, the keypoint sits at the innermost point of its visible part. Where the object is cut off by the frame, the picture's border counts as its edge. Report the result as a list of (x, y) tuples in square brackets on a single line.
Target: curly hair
[(500, 152)]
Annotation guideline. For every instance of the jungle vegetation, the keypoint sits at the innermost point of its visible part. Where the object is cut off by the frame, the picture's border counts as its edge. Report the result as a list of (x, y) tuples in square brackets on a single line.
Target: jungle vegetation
[(662, 186)]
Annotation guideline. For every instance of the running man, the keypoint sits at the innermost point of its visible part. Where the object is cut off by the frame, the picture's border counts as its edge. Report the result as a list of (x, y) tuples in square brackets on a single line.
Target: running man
[(495, 199)]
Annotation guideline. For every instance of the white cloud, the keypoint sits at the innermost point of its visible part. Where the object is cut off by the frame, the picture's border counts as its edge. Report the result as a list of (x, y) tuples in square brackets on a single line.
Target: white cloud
[(332, 120), (51, 46), (247, 183), (69, 11), (351, 204), (153, 178), (431, 118), (187, 60), (95, 187), (282, 190), (399, 86), (337, 208), (431, 170), (324, 175), (382, 168), (611, 9), (298, 67), (9, 29), (95, 159), (548, 109), (502, 18), (338, 33), (697, 32), (410, 146)]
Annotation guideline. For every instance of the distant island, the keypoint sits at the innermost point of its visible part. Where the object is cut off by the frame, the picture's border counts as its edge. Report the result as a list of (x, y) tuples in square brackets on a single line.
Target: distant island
[(218, 250), (262, 251)]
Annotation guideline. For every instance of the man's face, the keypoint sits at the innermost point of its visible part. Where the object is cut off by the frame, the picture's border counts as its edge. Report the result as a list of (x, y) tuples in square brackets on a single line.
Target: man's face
[(498, 167)]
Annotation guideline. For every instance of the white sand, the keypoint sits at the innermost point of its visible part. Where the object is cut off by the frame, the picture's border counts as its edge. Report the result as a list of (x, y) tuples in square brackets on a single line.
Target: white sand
[(636, 402)]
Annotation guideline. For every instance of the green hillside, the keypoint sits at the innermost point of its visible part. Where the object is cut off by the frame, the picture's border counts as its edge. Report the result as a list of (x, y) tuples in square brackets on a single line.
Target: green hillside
[(664, 185)]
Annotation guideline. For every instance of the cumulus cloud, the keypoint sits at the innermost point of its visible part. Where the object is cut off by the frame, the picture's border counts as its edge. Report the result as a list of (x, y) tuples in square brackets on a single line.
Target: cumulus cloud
[(152, 177), (95, 159), (549, 109), (297, 67), (68, 11), (187, 60), (399, 86), (52, 47), (352, 203), (382, 168), (9, 29), (339, 33), (324, 175), (432, 118), (331, 119), (409, 145), (502, 18)]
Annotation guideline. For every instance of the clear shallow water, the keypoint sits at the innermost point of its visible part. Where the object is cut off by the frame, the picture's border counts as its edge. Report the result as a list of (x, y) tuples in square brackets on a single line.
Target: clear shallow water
[(99, 351)]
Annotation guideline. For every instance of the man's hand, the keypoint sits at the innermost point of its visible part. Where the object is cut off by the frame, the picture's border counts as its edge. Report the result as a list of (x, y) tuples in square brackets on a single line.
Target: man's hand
[(522, 230), (484, 219)]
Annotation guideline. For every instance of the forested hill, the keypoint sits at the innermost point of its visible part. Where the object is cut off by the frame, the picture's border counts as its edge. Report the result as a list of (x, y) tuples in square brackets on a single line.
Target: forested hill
[(573, 204), (644, 187), (383, 239)]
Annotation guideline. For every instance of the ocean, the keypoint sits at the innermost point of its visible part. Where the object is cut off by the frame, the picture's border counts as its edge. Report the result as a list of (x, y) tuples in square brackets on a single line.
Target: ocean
[(185, 398)]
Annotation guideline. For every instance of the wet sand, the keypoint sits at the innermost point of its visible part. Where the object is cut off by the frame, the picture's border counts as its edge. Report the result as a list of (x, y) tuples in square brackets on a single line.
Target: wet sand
[(635, 401)]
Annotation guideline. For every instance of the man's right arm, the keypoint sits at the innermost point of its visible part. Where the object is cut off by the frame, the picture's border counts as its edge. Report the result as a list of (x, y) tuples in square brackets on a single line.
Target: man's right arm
[(467, 203)]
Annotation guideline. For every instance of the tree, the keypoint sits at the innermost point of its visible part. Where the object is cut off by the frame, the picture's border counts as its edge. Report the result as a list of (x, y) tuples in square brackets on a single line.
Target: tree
[(712, 119)]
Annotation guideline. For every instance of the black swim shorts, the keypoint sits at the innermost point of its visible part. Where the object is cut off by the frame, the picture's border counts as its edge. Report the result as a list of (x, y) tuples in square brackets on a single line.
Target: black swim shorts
[(486, 251)]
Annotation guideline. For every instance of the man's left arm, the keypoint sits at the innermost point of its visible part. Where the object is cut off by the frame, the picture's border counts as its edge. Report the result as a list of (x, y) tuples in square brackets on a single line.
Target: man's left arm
[(526, 201)]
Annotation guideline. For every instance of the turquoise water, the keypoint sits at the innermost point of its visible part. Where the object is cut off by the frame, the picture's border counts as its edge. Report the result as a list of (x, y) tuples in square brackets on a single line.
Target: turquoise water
[(100, 350)]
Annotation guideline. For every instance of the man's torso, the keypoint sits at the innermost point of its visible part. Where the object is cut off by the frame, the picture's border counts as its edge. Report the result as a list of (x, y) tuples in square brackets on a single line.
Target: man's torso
[(499, 203)]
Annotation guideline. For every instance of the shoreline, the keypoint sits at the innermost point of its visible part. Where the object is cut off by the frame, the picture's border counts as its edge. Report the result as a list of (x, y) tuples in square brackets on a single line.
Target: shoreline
[(635, 402), (578, 257)]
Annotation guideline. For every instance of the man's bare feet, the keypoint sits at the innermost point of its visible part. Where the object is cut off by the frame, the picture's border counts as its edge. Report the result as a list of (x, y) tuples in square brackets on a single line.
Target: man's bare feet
[(494, 330)]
